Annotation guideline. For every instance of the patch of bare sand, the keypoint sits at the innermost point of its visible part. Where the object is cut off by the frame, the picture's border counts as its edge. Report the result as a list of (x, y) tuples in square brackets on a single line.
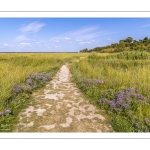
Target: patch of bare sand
[(61, 107)]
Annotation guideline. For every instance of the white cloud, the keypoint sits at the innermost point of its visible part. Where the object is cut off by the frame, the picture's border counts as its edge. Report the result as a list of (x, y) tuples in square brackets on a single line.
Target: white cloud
[(32, 27), (21, 38), (78, 40), (22, 45), (56, 41), (25, 44), (87, 42), (8, 45), (66, 38), (39, 42), (108, 39), (81, 43), (57, 46), (83, 34)]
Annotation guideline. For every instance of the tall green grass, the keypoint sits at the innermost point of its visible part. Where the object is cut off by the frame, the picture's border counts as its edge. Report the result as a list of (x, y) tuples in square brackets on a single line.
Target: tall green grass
[(15, 67), (119, 72)]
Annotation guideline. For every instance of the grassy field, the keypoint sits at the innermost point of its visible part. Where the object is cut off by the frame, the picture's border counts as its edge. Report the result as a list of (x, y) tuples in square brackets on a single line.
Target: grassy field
[(20, 74), (120, 84)]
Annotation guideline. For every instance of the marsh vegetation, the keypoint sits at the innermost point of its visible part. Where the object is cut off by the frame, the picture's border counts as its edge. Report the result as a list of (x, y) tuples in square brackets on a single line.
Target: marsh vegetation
[(116, 83), (119, 84)]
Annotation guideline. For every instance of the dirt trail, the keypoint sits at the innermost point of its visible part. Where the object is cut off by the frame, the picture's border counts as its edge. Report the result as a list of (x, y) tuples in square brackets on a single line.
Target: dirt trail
[(61, 107)]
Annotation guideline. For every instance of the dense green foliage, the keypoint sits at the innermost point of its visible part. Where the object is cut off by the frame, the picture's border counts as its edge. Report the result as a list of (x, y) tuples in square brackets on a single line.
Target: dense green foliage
[(124, 45), (119, 84)]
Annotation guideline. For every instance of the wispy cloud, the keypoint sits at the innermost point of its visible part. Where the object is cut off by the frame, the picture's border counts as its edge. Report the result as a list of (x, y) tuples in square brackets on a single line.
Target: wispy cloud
[(32, 27), (21, 38), (25, 44), (88, 42), (78, 40), (82, 34), (81, 43), (108, 39), (66, 38), (57, 46), (7, 45), (56, 41), (144, 26), (22, 45)]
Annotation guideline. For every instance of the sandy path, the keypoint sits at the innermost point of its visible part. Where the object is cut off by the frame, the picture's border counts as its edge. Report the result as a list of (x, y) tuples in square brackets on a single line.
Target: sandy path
[(61, 107)]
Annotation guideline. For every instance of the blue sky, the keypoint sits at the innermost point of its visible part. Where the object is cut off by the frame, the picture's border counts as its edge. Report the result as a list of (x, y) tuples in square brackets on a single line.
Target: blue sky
[(67, 34)]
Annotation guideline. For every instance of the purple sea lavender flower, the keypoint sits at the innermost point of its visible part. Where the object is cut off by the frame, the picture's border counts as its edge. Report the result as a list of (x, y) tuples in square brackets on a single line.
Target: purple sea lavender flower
[(112, 104), (8, 111), (1, 114), (99, 81), (125, 106), (129, 112), (119, 102), (95, 82), (139, 96), (29, 81), (137, 125), (130, 90), (128, 99), (148, 121), (102, 100), (105, 100), (134, 117), (119, 96)]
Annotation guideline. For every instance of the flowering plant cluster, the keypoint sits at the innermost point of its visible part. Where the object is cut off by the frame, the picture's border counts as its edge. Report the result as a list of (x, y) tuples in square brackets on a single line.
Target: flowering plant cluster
[(96, 82), (126, 102), (123, 99), (32, 82)]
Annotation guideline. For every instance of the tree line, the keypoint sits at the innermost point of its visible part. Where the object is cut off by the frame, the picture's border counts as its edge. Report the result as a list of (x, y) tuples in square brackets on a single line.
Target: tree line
[(129, 44)]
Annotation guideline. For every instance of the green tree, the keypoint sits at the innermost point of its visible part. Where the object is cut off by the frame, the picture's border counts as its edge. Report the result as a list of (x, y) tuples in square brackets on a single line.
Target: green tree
[(121, 45), (129, 40), (84, 50), (146, 39)]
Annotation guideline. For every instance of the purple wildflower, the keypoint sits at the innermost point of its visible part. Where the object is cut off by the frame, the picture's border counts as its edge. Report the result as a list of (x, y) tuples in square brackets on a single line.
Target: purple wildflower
[(89, 82), (112, 104), (148, 121), (134, 117), (104, 100), (29, 81), (139, 96), (119, 102), (137, 125), (8, 111), (130, 112), (1, 114), (125, 105)]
